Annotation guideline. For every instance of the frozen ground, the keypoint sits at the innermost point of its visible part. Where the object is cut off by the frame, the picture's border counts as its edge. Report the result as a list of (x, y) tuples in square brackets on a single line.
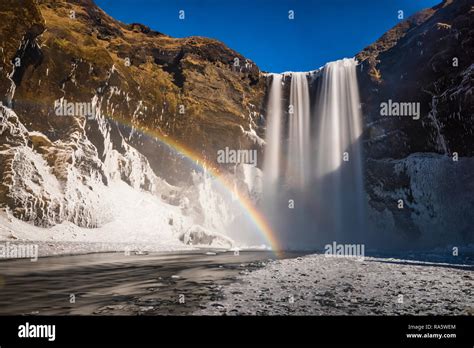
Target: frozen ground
[(68, 238), (320, 285)]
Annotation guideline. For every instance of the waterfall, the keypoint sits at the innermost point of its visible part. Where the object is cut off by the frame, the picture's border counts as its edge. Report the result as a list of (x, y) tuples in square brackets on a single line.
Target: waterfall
[(339, 116), (299, 132), (314, 191), (272, 156)]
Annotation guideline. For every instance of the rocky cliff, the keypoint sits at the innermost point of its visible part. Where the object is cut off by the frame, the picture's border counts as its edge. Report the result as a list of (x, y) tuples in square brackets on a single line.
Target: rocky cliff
[(424, 160), (194, 90), (88, 100)]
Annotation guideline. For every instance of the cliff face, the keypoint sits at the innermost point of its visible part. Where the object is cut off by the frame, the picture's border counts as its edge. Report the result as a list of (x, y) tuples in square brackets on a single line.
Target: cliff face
[(427, 59), (86, 97), (190, 90)]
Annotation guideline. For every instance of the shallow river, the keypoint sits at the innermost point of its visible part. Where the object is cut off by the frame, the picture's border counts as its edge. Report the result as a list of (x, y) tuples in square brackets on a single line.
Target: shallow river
[(119, 284)]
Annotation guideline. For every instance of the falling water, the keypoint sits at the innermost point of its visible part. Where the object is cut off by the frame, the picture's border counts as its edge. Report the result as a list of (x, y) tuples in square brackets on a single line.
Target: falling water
[(314, 132), (339, 119), (272, 157), (299, 132)]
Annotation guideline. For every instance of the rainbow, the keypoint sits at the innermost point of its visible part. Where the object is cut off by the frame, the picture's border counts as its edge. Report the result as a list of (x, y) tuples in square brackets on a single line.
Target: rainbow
[(246, 204)]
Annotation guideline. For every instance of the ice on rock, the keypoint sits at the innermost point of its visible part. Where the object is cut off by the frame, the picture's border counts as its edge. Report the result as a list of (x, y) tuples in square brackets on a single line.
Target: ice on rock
[(12, 130), (66, 191), (197, 235)]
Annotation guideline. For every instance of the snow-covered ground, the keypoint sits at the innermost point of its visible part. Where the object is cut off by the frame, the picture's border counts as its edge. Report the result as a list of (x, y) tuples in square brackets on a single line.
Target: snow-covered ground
[(141, 221), (320, 285)]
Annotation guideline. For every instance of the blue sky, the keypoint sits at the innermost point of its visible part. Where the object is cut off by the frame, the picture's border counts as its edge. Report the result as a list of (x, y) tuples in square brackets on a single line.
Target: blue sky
[(322, 30)]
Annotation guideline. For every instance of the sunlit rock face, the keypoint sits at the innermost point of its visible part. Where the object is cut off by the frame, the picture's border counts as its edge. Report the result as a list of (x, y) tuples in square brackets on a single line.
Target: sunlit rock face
[(84, 100), (46, 182), (195, 90)]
